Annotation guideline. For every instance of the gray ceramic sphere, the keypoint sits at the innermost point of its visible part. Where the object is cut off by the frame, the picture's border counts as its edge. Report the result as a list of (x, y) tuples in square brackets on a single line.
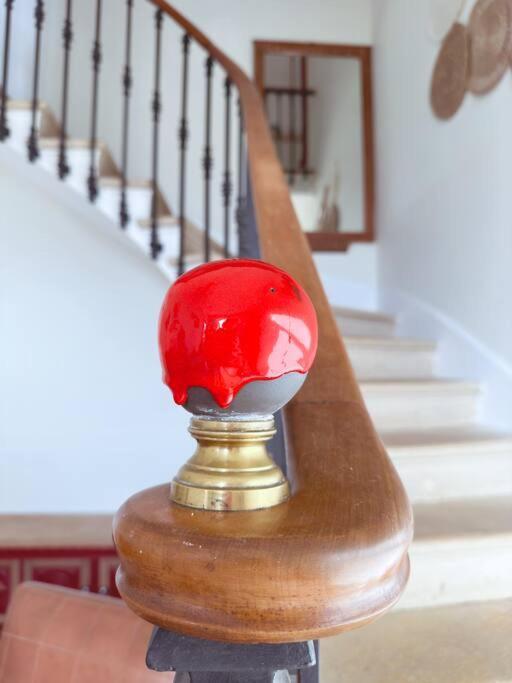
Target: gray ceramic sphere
[(257, 399)]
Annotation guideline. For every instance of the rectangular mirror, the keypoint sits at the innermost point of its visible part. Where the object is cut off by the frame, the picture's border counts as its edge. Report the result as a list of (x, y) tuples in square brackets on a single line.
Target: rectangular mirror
[(319, 107)]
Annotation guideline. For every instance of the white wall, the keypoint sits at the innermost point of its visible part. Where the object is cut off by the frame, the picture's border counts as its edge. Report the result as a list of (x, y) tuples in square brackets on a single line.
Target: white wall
[(444, 211), (84, 417)]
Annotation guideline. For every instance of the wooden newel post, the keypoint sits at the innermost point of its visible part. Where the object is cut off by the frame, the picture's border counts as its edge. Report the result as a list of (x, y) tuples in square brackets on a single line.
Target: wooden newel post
[(237, 339)]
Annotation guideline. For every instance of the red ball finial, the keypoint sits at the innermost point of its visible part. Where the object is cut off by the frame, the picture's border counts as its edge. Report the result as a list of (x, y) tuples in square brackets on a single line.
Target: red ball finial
[(228, 323)]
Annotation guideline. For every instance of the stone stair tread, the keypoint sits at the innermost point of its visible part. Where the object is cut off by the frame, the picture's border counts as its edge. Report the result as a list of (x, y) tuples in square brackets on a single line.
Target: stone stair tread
[(407, 343), (24, 105), (71, 143), (167, 220), (424, 384), (463, 519), (115, 181), (465, 643), (362, 314), (458, 439)]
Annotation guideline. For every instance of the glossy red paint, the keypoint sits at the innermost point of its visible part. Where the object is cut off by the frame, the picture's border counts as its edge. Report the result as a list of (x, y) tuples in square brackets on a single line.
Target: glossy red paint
[(227, 323)]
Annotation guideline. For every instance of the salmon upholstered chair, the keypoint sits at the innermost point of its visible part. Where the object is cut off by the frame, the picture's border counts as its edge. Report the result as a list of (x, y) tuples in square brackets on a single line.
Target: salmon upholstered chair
[(58, 635)]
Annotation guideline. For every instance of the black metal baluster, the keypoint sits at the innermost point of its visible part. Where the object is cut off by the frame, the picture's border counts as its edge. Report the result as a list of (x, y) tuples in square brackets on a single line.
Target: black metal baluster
[(241, 203), (154, 243), (124, 216), (92, 180), (226, 185), (183, 137), (207, 159), (4, 129), (32, 145), (67, 36), (280, 128)]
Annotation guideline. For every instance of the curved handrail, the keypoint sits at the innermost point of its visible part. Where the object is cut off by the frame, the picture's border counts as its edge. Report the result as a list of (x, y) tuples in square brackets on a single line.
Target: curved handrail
[(335, 555)]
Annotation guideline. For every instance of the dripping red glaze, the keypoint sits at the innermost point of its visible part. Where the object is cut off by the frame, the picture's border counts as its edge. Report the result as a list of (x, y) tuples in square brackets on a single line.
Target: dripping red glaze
[(227, 323)]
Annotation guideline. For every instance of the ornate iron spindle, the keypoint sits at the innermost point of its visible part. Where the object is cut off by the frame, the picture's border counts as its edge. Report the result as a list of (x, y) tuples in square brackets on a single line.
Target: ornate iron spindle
[(292, 160), (226, 184), (4, 129), (183, 137), (67, 36), (154, 243), (124, 216), (280, 128), (207, 159), (241, 203), (92, 180), (32, 145)]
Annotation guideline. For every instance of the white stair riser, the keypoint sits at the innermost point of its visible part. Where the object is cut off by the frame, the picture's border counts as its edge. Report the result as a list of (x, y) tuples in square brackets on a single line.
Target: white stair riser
[(78, 161), (138, 201), (389, 363), (459, 570), (396, 409), (19, 123), (448, 475), (360, 327)]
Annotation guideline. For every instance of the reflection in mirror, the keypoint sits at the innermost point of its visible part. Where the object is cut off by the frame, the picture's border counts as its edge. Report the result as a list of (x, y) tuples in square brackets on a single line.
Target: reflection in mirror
[(319, 110)]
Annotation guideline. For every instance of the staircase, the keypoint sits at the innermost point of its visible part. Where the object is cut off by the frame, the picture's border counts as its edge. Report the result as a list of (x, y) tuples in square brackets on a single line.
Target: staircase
[(139, 193), (453, 622)]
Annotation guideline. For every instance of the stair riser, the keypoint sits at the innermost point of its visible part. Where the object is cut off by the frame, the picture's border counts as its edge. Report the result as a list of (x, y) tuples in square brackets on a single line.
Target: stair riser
[(408, 410), (138, 201), (19, 123), (451, 476), (375, 363), (456, 571), (356, 327), (79, 163)]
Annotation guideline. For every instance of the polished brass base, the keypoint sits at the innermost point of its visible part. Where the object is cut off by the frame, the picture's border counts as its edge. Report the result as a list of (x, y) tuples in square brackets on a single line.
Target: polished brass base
[(231, 468)]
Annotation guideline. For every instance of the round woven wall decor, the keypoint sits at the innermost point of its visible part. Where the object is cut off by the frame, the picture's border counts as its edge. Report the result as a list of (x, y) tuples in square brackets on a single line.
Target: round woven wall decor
[(450, 75), (490, 31), (442, 15)]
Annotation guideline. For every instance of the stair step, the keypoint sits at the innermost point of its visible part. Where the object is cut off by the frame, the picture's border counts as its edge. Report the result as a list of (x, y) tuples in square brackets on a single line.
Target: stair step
[(462, 552), (78, 158), (358, 323), (420, 404), (456, 644), (437, 465), (391, 357)]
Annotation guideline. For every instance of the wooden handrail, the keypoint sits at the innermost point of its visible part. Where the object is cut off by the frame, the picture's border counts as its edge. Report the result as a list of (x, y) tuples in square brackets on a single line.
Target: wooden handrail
[(335, 555)]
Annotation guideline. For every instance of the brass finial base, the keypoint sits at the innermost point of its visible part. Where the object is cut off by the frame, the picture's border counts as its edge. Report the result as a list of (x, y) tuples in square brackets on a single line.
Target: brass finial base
[(231, 468)]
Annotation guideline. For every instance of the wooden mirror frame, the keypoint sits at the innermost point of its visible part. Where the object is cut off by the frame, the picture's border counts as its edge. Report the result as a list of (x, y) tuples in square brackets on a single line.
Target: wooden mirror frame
[(334, 241)]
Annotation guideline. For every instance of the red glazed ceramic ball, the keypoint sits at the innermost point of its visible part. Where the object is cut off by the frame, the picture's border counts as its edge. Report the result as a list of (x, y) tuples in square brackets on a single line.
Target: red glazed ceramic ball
[(236, 336)]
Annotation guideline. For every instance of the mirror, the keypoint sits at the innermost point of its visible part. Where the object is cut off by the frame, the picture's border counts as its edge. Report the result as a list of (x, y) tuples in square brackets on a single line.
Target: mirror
[(318, 103)]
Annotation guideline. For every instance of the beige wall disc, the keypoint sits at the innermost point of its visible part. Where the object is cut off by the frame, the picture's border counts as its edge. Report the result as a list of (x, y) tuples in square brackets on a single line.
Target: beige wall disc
[(490, 30), (450, 75)]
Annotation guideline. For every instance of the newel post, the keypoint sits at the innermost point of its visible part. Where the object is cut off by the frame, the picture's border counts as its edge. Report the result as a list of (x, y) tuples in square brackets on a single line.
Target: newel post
[(237, 339)]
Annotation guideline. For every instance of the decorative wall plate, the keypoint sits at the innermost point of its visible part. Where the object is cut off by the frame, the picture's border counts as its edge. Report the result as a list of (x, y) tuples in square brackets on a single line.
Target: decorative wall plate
[(490, 30), (450, 75), (443, 14)]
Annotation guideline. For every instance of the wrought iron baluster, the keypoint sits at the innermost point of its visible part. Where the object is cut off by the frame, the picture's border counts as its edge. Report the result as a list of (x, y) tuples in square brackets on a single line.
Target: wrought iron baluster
[(4, 129), (32, 145), (207, 159), (92, 180), (183, 137), (226, 185), (241, 204), (280, 128), (124, 216), (67, 36), (154, 243)]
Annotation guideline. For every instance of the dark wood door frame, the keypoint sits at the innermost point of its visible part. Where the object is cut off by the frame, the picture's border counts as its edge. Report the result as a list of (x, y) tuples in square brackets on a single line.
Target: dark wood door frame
[(335, 241)]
